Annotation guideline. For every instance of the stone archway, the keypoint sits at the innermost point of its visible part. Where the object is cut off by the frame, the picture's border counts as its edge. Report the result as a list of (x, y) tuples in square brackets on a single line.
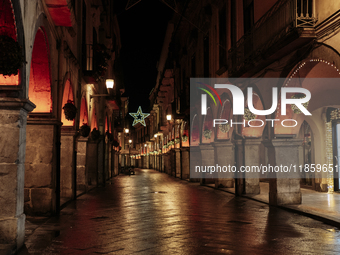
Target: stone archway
[(92, 153), (13, 115), (309, 74), (42, 128), (223, 147), (67, 149), (81, 148), (318, 76)]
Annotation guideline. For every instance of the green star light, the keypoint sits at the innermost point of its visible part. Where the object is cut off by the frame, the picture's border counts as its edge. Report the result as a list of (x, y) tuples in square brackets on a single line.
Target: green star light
[(139, 117)]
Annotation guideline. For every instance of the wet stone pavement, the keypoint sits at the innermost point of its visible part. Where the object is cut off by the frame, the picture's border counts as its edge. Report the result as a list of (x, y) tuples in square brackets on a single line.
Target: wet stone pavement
[(153, 213)]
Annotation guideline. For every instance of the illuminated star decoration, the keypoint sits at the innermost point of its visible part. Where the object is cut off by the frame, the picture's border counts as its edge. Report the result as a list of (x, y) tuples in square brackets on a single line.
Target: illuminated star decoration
[(139, 117)]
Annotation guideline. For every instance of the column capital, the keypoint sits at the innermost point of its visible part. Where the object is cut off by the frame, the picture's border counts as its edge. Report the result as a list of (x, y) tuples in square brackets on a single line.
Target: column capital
[(253, 141), (283, 142), (8, 103), (206, 146), (223, 143)]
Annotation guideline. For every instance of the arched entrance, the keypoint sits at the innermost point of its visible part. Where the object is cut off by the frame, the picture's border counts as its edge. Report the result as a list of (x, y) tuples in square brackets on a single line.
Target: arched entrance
[(81, 147), (67, 150), (41, 135), (13, 115), (320, 77)]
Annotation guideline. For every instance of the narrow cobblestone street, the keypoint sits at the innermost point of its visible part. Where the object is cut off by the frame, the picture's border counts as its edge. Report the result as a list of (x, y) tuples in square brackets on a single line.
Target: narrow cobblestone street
[(153, 213)]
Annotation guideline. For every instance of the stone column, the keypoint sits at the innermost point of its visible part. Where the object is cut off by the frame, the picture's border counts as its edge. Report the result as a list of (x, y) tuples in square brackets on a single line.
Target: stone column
[(173, 162), (67, 171), (285, 188), (178, 163), (91, 164), (208, 159), (81, 163), (252, 148), (116, 163), (147, 161), (195, 160), (165, 163), (224, 156), (113, 162), (41, 166), (13, 120), (185, 161), (157, 162), (162, 162), (101, 162), (239, 161)]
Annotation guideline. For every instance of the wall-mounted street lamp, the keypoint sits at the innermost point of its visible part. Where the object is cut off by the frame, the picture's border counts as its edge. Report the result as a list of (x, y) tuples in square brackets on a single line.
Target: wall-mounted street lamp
[(130, 141), (126, 130), (109, 85), (168, 117), (155, 136)]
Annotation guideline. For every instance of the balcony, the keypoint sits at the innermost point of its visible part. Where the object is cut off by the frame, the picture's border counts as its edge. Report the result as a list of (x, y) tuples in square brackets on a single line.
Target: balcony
[(288, 25), (95, 62)]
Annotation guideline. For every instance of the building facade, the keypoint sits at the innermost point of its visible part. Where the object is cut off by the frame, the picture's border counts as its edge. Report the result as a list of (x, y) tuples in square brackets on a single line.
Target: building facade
[(250, 39), (60, 106)]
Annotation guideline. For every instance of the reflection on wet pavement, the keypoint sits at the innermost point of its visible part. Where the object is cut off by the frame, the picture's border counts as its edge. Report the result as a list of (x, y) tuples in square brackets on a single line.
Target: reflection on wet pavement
[(153, 213)]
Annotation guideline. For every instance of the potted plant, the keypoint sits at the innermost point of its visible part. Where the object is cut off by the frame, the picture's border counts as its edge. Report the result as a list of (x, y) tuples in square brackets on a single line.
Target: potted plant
[(295, 109), (207, 133), (115, 143), (248, 115), (70, 110), (224, 128), (11, 57), (184, 138), (95, 134), (84, 130), (335, 114)]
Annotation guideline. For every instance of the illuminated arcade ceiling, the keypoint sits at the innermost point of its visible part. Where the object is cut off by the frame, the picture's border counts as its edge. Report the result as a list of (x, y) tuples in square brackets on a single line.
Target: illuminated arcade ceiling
[(61, 12)]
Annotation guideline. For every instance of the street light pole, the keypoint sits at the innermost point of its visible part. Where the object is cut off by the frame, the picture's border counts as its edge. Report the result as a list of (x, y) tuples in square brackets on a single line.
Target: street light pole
[(130, 141)]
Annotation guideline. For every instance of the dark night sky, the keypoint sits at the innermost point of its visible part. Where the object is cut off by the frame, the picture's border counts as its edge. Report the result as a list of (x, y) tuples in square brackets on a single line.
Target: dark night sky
[(142, 29)]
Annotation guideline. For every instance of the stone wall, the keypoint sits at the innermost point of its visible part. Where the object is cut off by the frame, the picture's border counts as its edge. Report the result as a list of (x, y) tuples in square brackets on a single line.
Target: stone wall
[(39, 171), (81, 164), (66, 166)]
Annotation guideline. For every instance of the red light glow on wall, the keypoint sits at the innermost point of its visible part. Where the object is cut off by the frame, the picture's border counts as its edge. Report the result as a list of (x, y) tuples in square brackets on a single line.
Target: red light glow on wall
[(83, 113), (94, 123), (40, 81), (68, 95)]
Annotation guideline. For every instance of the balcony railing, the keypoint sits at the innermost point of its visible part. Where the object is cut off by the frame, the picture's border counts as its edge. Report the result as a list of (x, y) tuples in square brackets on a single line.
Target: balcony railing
[(281, 20)]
